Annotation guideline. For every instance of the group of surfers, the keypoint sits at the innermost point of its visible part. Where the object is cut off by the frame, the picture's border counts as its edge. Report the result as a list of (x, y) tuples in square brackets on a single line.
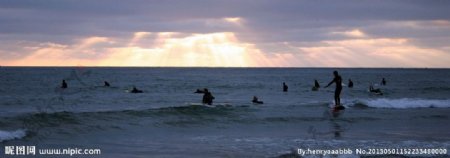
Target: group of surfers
[(337, 80)]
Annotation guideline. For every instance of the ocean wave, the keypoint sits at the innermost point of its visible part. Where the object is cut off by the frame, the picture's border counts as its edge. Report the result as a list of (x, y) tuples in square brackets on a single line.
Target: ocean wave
[(59, 118), (10, 135), (403, 103), (433, 89)]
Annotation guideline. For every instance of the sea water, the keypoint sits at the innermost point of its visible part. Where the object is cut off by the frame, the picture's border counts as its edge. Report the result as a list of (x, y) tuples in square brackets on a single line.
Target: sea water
[(166, 121)]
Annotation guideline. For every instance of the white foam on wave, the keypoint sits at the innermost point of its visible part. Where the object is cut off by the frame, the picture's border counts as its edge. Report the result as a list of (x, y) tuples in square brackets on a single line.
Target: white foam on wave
[(9, 135), (405, 103)]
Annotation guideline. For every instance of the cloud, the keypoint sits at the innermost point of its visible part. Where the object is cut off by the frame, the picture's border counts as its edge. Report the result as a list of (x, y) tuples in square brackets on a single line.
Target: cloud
[(217, 49), (356, 33), (226, 50), (383, 52), (267, 33)]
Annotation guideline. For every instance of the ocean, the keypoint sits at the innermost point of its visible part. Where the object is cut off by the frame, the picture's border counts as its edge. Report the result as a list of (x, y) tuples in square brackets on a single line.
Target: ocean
[(166, 120)]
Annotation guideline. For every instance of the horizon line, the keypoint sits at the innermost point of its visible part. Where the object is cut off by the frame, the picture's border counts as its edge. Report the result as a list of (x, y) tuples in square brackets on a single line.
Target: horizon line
[(231, 67)]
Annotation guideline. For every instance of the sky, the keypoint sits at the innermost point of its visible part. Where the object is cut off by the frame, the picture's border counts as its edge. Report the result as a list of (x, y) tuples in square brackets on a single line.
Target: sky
[(226, 33)]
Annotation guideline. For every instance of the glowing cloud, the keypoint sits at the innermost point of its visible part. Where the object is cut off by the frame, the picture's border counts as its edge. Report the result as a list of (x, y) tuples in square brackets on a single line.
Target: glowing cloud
[(234, 20), (210, 50), (224, 49), (443, 23), (88, 42), (137, 36), (383, 52), (352, 33), (168, 49)]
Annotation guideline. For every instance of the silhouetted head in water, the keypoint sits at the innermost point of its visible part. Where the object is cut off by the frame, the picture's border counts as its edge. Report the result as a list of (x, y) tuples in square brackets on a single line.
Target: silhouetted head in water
[(135, 90), (350, 83), (316, 84), (64, 84), (285, 87), (106, 84), (256, 100)]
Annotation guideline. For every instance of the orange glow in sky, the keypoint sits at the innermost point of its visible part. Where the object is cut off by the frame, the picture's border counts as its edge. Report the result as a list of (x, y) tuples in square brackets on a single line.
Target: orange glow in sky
[(225, 34), (224, 49)]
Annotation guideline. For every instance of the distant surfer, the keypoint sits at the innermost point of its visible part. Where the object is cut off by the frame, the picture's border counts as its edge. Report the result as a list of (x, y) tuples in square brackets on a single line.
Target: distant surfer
[(383, 82), (285, 87), (256, 101), (64, 84), (338, 81), (135, 90), (207, 97), (106, 84), (373, 90), (350, 83), (316, 86)]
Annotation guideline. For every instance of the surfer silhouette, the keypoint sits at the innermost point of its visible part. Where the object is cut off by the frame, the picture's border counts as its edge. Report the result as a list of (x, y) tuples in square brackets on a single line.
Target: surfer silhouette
[(350, 83), (106, 84), (285, 87), (64, 84), (256, 101), (207, 97), (383, 82), (135, 90), (373, 90), (316, 84), (338, 81)]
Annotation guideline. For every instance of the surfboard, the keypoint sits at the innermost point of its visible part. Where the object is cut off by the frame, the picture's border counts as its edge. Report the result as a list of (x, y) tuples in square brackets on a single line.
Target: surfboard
[(258, 102), (337, 111), (336, 108), (129, 91), (375, 93), (209, 106), (201, 104)]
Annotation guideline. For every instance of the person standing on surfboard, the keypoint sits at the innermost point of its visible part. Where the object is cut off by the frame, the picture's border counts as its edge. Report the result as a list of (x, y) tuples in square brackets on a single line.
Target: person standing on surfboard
[(338, 80), (285, 87)]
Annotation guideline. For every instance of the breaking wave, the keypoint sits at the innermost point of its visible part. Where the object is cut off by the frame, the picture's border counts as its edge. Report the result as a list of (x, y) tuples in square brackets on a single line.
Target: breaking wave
[(403, 103)]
